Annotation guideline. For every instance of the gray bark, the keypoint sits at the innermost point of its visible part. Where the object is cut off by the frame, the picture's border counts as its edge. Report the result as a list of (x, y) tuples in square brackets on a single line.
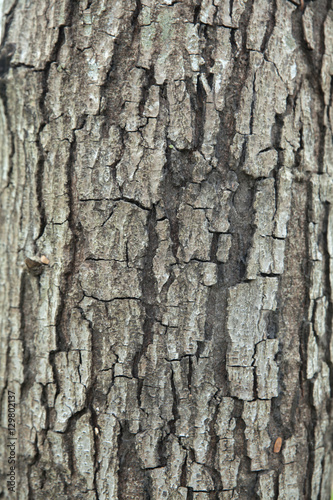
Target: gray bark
[(173, 161)]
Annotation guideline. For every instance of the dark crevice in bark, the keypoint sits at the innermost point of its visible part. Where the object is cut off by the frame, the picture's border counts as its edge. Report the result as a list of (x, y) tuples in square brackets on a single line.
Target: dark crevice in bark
[(213, 248), (220, 340), (189, 494), (71, 423), (27, 329), (165, 290), (39, 190), (4, 393), (183, 476), (322, 131), (255, 374), (241, 222), (133, 481), (175, 401), (149, 82), (44, 402), (208, 51), (196, 14), (55, 374), (272, 324), (198, 97), (277, 134), (311, 444), (130, 200), (231, 6), (190, 373), (198, 104), (6, 54), (321, 478), (246, 481), (270, 25), (330, 104), (170, 195), (253, 105), (114, 200), (106, 301), (162, 450), (326, 342), (96, 433), (31, 465), (149, 293), (213, 449), (136, 13), (300, 149), (255, 493), (140, 381)]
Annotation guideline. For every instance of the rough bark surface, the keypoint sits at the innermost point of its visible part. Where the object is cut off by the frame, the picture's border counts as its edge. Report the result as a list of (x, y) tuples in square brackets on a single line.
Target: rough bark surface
[(174, 162)]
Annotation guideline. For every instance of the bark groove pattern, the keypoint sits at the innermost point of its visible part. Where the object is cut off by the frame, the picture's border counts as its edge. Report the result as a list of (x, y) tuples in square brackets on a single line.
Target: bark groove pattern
[(174, 162)]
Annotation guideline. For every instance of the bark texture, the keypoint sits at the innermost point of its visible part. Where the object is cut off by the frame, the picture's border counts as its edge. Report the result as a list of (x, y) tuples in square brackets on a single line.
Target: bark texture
[(174, 162)]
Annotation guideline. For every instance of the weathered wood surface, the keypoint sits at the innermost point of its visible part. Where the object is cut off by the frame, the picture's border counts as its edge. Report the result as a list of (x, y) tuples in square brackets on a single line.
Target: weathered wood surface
[(173, 160)]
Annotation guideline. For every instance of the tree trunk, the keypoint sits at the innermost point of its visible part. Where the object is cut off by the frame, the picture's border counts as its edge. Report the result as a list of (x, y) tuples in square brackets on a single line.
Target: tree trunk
[(171, 163)]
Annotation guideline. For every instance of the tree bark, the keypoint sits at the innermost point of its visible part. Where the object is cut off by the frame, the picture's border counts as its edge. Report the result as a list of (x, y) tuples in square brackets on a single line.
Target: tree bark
[(173, 162)]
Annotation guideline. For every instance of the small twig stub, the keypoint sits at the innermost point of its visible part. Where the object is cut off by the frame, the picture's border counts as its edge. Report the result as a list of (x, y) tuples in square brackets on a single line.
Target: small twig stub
[(33, 266)]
